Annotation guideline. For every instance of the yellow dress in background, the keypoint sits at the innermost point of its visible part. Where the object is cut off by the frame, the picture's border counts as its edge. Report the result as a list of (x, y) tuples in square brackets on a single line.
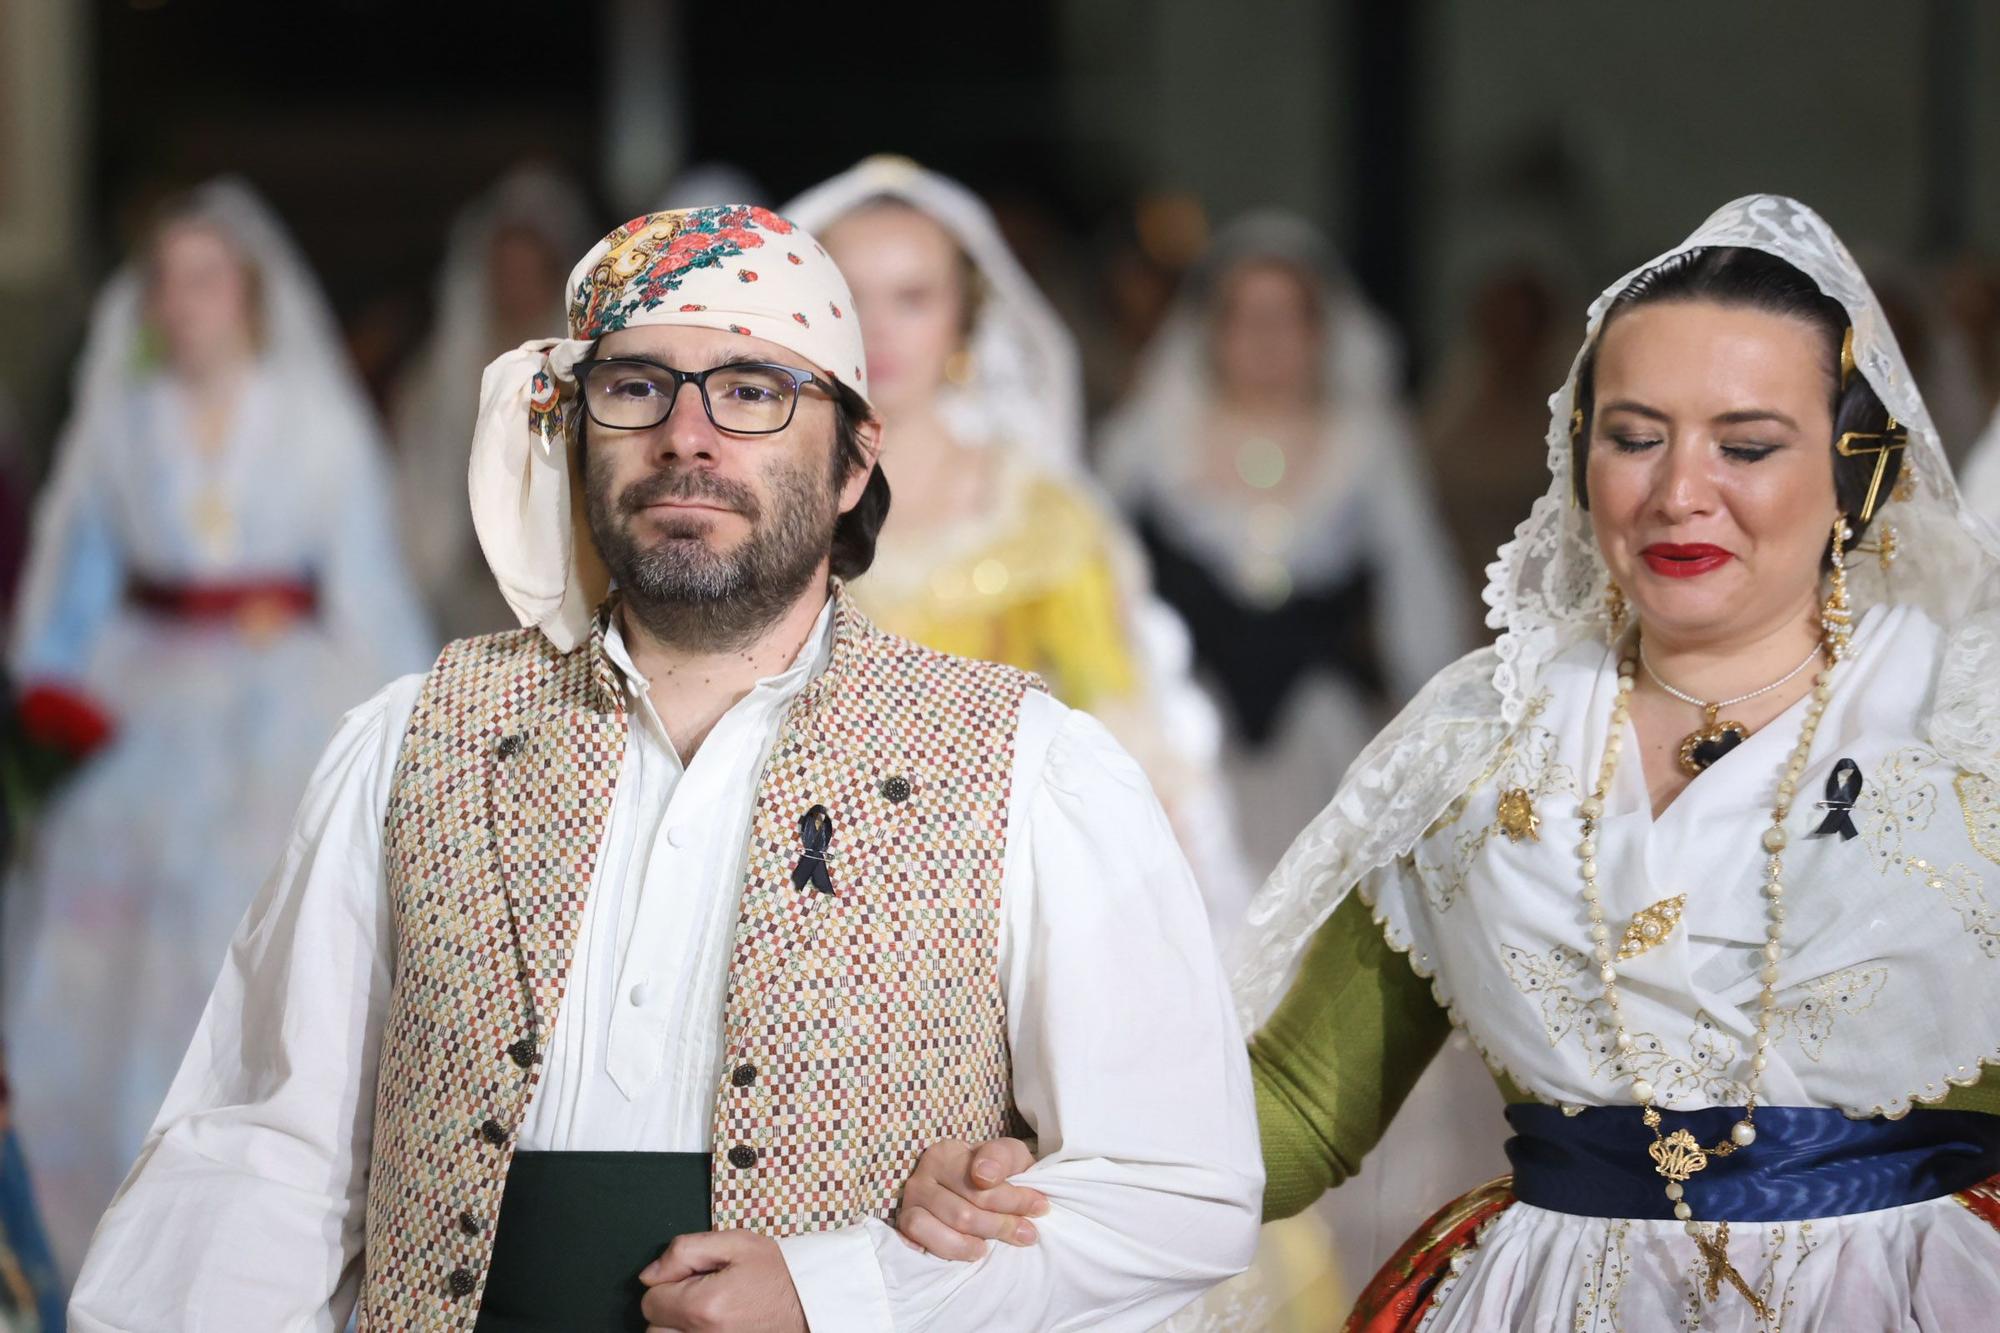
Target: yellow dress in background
[(1033, 583)]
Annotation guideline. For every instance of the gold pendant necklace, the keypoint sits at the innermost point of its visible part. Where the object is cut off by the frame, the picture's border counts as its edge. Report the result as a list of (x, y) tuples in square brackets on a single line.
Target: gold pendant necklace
[(1715, 738)]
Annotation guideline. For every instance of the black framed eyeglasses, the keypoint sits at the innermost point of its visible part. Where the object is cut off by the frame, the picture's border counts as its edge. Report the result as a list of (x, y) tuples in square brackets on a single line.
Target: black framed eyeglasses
[(742, 398)]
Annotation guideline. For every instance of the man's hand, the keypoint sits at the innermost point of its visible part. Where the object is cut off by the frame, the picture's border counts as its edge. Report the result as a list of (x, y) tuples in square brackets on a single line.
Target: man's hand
[(735, 1280), (958, 1198)]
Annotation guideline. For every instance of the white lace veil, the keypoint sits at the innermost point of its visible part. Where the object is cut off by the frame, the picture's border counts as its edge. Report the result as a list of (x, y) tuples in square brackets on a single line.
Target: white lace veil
[(299, 344), (1026, 388), (1151, 445), (1362, 368), (1546, 592)]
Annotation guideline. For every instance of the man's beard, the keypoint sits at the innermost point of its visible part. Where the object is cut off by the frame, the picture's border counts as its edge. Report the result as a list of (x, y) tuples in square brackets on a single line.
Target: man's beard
[(683, 592)]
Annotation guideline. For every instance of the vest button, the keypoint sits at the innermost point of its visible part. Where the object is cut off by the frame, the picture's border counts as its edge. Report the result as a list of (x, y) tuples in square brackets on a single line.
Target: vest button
[(510, 746), (462, 1281), (468, 1223), (896, 789), (522, 1052), (493, 1132), (743, 1075), (743, 1157)]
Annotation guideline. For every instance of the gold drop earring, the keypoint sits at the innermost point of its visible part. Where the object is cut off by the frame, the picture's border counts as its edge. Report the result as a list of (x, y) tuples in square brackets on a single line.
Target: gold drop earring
[(1615, 610), (1836, 619)]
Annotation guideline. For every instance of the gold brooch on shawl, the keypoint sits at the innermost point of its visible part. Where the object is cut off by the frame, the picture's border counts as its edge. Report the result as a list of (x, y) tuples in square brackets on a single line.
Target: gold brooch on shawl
[(1651, 926), (1517, 817)]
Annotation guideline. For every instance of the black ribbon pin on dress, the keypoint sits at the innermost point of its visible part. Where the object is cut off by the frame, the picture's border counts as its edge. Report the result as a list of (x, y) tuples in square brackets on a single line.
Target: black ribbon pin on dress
[(815, 836), (1843, 789)]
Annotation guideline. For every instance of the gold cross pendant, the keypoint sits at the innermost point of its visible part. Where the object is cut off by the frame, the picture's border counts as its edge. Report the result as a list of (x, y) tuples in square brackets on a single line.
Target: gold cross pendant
[(1715, 1253)]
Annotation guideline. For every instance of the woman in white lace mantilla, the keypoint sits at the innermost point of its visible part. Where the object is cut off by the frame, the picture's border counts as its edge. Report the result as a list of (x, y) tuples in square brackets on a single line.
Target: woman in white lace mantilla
[(1000, 547), (1702, 854), (214, 579)]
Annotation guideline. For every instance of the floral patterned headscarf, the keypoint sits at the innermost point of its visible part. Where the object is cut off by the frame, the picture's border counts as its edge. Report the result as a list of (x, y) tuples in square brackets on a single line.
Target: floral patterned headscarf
[(735, 268)]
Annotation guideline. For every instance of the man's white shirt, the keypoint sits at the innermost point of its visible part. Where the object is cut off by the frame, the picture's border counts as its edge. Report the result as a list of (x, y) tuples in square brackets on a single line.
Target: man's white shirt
[(246, 1208)]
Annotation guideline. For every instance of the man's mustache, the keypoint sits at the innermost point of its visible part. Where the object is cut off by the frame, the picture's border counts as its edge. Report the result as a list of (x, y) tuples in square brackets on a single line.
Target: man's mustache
[(688, 484)]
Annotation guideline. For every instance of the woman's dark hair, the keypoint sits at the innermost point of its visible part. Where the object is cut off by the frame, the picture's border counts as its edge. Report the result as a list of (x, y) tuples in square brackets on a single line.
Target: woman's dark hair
[(1735, 276), (855, 531)]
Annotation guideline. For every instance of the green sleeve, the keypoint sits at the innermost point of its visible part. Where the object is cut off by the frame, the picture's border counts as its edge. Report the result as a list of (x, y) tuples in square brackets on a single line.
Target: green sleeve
[(1336, 1060)]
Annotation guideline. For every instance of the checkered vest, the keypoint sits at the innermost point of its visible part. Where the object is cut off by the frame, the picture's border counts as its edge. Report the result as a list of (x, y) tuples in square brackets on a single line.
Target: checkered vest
[(861, 1026)]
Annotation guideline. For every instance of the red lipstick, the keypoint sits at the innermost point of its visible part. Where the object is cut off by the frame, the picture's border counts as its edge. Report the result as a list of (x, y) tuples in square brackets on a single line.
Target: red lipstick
[(1675, 561)]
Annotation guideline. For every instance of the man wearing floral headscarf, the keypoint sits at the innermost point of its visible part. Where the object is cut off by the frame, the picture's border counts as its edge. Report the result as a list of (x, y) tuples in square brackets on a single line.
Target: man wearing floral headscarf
[(620, 967)]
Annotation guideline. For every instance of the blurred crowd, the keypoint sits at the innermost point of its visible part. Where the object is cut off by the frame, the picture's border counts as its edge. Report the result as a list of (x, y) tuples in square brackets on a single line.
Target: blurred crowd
[(1185, 472)]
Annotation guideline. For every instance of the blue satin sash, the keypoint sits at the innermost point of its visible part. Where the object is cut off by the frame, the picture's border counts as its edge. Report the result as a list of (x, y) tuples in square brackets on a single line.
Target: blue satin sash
[(1807, 1161)]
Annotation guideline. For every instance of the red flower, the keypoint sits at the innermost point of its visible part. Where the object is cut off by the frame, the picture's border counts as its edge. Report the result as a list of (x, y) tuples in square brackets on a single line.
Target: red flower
[(800, 318), (770, 221), (683, 251), (794, 258), (738, 328), (745, 275), (691, 307), (63, 719), (836, 310)]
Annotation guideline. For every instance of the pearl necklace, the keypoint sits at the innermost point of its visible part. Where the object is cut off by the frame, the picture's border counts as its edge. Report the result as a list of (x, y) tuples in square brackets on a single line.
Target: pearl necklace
[(1679, 1155), (1714, 737)]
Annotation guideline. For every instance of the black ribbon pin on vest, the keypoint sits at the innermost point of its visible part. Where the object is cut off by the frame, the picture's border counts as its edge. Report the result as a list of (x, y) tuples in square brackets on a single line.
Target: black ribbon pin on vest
[(815, 836), (1843, 789)]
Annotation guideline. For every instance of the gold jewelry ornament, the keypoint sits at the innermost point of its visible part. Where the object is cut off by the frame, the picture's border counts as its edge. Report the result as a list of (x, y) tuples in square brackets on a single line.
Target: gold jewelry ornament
[(1713, 738), (1679, 1156), (1650, 927), (1905, 488), (1616, 610), (1715, 1253), (1517, 817), (1836, 618), (1709, 742), (1892, 437), (1884, 548), (1846, 358)]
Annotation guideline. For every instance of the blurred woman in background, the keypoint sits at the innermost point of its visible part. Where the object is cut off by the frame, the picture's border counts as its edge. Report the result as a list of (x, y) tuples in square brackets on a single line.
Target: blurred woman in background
[(997, 547), (213, 579), (502, 284), (1268, 461), (1273, 471)]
